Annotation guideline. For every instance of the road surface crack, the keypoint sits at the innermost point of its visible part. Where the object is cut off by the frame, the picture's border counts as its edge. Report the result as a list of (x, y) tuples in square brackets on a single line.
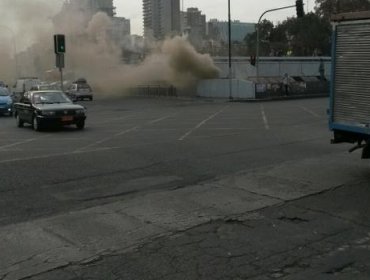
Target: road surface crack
[(340, 268)]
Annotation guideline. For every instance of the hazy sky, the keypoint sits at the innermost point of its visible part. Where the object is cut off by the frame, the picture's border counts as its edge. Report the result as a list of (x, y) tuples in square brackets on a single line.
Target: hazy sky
[(243, 10)]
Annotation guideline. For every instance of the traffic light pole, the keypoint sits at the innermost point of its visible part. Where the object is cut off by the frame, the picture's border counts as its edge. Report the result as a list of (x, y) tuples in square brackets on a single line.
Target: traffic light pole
[(60, 65), (60, 49), (61, 79), (258, 36)]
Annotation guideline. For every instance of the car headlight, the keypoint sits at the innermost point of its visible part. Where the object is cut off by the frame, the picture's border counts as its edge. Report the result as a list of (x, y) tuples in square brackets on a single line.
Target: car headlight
[(48, 113), (80, 112)]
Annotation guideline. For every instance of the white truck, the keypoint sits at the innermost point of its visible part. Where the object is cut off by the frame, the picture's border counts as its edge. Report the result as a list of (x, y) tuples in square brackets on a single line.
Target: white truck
[(349, 113)]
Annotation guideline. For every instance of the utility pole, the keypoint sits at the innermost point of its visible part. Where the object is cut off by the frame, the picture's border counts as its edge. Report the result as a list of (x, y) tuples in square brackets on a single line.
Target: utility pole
[(230, 56)]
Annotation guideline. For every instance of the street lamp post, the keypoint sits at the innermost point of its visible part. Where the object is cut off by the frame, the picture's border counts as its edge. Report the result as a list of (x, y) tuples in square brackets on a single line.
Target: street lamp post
[(14, 48), (258, 35), (230, 55)]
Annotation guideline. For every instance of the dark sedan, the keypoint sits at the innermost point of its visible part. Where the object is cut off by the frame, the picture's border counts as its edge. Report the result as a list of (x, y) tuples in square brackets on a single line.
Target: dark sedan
[(48, 108)]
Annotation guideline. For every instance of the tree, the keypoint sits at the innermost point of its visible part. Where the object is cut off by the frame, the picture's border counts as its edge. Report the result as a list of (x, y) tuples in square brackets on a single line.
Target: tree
[(308, 36), (296, 36), (325, 8), (265, 29)]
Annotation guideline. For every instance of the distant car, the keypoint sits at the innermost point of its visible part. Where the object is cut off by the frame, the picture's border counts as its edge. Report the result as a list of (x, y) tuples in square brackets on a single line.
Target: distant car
[(48, 108), (41, 87), (6, 102), (80, 91)]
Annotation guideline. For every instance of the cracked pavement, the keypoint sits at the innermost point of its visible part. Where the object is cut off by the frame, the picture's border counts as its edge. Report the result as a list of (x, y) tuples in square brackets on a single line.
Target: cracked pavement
[(295, 240), (172, 189), (221, 229)]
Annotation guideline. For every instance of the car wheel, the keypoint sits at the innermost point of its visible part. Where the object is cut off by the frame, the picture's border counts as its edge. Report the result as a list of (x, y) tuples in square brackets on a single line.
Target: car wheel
[(19, 121), (80, 125), (36, 124), (91, 98)]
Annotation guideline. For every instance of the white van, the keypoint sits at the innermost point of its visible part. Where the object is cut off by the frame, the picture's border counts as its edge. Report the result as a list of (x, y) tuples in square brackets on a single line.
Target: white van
[(23, 85)]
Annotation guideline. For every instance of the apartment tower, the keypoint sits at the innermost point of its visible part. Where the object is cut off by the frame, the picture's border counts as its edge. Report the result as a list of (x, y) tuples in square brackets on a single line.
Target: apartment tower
[(161, 18)]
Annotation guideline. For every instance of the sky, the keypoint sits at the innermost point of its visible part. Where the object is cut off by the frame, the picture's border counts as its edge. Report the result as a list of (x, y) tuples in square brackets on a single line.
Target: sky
[(243, 10)]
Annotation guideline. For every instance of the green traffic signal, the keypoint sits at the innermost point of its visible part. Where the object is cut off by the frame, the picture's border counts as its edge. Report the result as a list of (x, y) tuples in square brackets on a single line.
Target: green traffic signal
[(59, 43)]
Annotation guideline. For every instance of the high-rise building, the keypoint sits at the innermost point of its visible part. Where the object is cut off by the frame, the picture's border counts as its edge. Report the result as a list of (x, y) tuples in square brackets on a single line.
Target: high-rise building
[(195, 25), (91, 6), (161, 18), (104, 6), (80, 12), (121, 27)]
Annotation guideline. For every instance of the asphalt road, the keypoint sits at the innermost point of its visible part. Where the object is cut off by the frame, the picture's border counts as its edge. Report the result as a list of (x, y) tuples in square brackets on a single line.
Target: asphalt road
[(143, 167), (160, 143)]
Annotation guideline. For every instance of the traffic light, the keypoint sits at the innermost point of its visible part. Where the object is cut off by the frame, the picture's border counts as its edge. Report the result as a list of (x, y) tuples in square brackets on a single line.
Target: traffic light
[(59, 43), (299, 6)]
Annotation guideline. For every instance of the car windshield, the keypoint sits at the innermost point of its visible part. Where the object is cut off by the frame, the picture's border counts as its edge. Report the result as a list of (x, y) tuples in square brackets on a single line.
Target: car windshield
[(4, 92), (83, 86), (44, 87), (50, 98)]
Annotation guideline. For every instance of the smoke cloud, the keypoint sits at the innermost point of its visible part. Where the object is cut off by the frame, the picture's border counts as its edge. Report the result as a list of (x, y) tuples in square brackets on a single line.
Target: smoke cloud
[(91, 52)]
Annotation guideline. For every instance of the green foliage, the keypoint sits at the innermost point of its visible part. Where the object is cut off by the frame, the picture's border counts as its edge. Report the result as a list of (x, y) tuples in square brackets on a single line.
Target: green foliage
[(325, 8), (265, 28), (306, 36)]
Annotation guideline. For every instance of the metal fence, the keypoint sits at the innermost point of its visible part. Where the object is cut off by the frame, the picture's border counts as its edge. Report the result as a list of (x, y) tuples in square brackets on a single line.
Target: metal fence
[(270, 87), (154, 91)]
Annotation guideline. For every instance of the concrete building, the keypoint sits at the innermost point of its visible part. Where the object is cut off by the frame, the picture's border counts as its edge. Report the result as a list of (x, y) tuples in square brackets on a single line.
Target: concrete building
[(219, 30), (104, 6), (90, 7), (161, 18), (195, 26), (121, 28)]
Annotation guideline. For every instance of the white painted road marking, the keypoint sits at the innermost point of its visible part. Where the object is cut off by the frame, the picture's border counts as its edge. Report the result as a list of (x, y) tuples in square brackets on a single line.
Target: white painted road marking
[(202, 123), (159, 120), (310, 112), (21, 142), (264, 117), (132, 129)]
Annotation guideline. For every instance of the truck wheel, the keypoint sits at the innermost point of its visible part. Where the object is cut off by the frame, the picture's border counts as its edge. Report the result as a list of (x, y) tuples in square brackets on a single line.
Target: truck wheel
[(36, 124), (19, 121)]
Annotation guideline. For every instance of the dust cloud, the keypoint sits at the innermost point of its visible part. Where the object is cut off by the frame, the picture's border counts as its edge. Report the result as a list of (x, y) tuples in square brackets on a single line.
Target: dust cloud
[(91, 51), (22, 23)]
